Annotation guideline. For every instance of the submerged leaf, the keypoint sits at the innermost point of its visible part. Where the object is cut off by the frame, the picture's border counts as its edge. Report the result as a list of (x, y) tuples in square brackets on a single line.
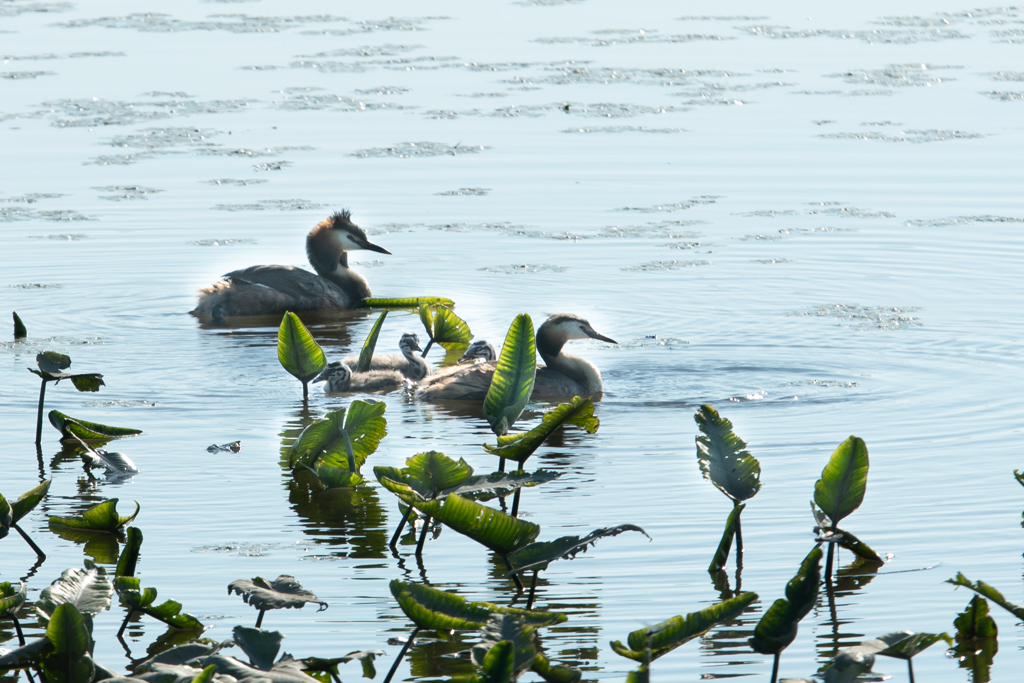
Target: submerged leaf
[(537, 556), (512, 382), (491, 528), (840, 490), (668, 635), (102, 517), (366, 354), (436, 610), (519, 447), (724, 458), (297, 351), (89, 590), (283, 592), (70, 427)]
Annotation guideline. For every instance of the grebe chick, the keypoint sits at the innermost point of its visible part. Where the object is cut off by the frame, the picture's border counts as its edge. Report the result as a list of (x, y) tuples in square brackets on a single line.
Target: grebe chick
[(563, 375), (479, 351), (407, 362), (272, 290), (339, 379)]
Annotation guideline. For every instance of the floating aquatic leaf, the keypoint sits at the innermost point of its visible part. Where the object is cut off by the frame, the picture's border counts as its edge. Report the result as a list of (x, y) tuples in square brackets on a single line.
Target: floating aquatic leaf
[(518, 447), (840, 490), (907, 644), (328, 441), (169, 612), (70, 427), (409, 302), (27, 501), (537, 556), (491, 528), (436, 610), (102, 517), (298, 352), (88, 590), (662, 638), (11, 598), (366, 354), (724, 458), (512, 382), (281, 593)]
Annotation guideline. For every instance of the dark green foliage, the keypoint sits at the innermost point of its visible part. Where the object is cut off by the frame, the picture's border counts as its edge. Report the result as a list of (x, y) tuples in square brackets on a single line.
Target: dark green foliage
[(284, 592), (722, 553), (537, 556), (512, 382), (101, 518), (70, 427), (366, 353), (840, 490), (298, 352), (519, 447), (778, 626), (723, 457), (19, 327)]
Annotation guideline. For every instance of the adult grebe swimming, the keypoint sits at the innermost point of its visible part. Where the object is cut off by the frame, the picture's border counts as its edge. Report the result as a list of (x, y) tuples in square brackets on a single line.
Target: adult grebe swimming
[(563, 376), (272, 290)]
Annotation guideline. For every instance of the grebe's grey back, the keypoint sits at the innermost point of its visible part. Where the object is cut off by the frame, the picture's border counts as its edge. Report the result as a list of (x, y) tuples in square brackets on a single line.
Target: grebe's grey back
[(407, 362), (563, 375), (341, 379), (272, 290)]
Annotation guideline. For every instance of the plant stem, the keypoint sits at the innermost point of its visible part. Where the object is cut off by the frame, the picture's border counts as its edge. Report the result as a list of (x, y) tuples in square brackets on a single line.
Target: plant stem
[(28, 540), (423, 353), (533, 590), (515, 503), (910, 669), (124, 624), (305, 395), (401, 655), (515, 577), (17, 629), (775, 668), (401, 526), (501, 462), (423, 537), (39, 416), (259, 619), (739, 537), (828, 561)]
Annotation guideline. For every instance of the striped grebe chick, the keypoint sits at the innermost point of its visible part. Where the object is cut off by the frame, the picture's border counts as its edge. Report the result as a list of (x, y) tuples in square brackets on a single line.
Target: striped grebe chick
[(407, 362), (479, 351), (562, 376), (272, 290), (340, 379)]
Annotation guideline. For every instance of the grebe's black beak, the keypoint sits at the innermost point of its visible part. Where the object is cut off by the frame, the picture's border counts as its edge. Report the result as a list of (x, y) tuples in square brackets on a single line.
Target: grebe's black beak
[(603, 338), (370, 246)]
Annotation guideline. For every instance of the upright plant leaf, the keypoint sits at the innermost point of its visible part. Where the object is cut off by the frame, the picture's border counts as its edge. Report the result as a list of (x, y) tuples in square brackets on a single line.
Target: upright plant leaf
[(130, 554), (29, 500), (436, 610), (19, 327), (88, 590), (985, 590), (298, 352), (6, 517), (974, 623), (102, 517), (498, 665), (668, 635), (907, 644), (448, 329), (537, 556), (407, 302), (725, 545), (11, 598), (518, 447), (261, 647), (490, 528), (169, 611), (69, 635), (52, 362), (284, 592), (366, 355), (844, 480), (724, 458), (512, 382), (516, 657), (428, 473), (777, 628), (324, 440), (70, 427)]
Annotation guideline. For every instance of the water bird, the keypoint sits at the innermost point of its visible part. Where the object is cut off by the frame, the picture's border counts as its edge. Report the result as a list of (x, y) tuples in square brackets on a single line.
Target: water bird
[(479, 351), (272, 290), (407, 362), (561, 376), (339, 379)]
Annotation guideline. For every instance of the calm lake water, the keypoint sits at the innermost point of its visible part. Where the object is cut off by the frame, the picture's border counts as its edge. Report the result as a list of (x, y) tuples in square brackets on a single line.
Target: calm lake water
[(818, 215)]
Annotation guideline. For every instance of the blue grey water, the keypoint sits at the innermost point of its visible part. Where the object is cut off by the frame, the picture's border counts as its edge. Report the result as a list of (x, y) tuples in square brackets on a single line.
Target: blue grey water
[(817, 212)]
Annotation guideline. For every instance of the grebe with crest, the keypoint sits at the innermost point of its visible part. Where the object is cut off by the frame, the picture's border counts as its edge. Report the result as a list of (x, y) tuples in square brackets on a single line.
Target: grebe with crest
[(272, 290)]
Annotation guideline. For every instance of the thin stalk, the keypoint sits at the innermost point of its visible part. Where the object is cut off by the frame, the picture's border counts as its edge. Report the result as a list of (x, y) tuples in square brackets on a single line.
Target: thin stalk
[(501, 461), (515, 503), (401, 655), (39, 552), (423, 537), (39, 416), (739, 537), (259, 619), (124, 624), (423, 353), (828, 561), (17, 629), (401, 526), (533, 590), (910, 670), (28, 674), (515, 577), (335, 677), (775, 668)]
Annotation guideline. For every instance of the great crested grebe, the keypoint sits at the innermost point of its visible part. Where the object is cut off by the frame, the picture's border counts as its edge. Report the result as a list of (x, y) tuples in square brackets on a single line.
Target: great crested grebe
[(407, 363), (341, 379), (272, 290), (563, 375)]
